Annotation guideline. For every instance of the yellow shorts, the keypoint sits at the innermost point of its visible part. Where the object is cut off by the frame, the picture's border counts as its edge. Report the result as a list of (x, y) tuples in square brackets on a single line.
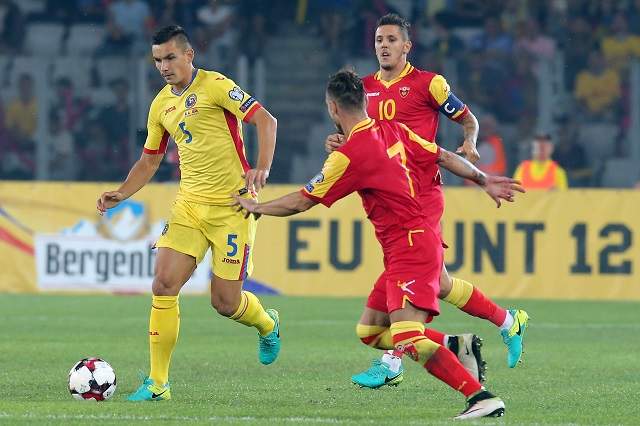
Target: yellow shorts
[(194, 227)]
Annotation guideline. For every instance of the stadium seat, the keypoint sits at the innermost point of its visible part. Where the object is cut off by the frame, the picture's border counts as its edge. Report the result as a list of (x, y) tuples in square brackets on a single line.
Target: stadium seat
[(76, 70), (44, 38), (84, 38), (620, 173), (599, 140)]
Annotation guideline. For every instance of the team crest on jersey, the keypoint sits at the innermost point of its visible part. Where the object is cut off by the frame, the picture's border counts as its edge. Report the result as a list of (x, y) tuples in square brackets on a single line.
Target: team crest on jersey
[(315, 180), (404, 91), (236, 94), (190, 101)]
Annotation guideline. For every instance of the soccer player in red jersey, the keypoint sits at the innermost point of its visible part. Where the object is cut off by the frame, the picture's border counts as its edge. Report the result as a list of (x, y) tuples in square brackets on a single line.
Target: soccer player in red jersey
[(400, 92), (380, 160)]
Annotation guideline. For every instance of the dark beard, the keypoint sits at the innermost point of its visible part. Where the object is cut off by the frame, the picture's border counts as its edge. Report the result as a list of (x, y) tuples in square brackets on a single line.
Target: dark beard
[(386, 67)]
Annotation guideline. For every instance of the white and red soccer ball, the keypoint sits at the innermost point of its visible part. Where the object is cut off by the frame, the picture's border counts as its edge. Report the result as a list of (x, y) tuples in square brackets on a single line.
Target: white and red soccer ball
[(92, 379)]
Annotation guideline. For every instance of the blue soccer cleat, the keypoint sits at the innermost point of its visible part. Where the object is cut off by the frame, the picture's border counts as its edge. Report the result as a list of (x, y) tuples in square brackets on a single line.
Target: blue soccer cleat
[(378, 375), (148, 391), (514, 337), (269, 345)]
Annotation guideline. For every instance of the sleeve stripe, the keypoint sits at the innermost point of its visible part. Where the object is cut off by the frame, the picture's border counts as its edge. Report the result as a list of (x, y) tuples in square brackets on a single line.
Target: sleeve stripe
[(322, 201), (460, 114), (163, 145), (252, 111), (232, 124)]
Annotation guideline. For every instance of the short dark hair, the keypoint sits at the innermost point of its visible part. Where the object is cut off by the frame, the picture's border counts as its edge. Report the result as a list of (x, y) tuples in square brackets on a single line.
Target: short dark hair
[(397, 20), (346, 88), (170, 32)]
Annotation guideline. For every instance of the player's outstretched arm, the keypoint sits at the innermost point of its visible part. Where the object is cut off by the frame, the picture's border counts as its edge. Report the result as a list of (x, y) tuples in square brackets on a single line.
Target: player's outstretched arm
[(139, 175), (286, 205), (470, 128), (497, 187), (267, 126)]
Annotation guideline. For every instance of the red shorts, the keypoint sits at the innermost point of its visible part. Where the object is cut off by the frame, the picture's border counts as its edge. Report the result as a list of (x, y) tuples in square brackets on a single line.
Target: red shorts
[(432, 203), (412, 274)]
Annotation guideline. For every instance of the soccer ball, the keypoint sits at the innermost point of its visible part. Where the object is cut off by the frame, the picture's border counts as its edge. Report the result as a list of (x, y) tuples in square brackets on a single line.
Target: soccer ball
[(92, 379)]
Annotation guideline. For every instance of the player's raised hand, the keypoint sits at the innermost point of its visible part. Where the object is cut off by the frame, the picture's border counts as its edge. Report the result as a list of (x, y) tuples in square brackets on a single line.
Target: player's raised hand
[(246, 204), (468, 150), (256, 179), (108, 200), (333, 142), (502, 188)]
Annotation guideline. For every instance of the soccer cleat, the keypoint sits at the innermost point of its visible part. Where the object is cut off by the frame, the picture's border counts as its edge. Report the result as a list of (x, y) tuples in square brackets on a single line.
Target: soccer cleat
[(378, 375), (483, 404), (514, 337), (269, 345), (467, 348), (148, 391)]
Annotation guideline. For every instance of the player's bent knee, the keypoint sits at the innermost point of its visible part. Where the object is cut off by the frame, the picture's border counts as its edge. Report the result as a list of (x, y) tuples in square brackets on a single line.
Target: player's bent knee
[(162, 286), (375, 336), (224, 308)]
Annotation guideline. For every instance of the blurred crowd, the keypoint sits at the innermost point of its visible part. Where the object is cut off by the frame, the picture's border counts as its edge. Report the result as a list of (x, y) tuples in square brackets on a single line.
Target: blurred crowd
[(492, 52)]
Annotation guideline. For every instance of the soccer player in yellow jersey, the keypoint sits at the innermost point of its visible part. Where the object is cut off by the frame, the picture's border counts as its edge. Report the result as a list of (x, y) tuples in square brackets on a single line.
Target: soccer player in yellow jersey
[(201, 111)]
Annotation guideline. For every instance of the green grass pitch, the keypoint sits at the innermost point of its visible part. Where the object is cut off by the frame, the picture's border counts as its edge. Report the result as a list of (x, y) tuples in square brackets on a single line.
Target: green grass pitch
[(581, 365)]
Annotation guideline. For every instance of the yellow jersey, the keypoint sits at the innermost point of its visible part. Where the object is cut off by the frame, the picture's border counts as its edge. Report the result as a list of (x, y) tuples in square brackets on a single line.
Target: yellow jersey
[(204, 120)]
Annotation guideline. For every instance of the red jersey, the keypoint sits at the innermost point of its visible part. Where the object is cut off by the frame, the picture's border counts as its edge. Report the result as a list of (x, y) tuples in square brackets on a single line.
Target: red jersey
[(416, 98), (378, 160)]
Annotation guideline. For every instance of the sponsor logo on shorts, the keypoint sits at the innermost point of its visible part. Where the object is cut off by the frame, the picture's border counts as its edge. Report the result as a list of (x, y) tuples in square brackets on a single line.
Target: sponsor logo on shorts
[(236, 94), (405, 286), (190, 101), (232, 261), (245, 106), (165, 229)]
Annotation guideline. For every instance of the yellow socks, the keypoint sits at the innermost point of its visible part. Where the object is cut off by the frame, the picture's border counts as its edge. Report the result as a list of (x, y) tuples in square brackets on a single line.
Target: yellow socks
[(408, 336), (164, 324), (460, 293), (252, 314), (375, 336)]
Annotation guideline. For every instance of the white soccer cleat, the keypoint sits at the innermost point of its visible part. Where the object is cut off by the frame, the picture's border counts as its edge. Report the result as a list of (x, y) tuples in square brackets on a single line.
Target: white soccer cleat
[(467, 348), (484, 404)]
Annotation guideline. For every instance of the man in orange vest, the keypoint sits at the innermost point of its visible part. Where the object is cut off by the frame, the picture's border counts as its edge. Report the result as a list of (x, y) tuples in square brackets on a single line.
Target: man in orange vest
[(541, 172)]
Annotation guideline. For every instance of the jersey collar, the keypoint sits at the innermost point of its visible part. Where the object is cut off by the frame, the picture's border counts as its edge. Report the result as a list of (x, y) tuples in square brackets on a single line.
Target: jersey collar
[(363, 125), (193, 77), (408, 68)]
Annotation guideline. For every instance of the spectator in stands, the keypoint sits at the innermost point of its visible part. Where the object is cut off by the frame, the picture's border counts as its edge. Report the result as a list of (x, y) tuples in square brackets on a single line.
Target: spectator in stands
[(493, 38), (532, 42), (598, 89), (62, 160), (482, 79), (519, 91), (12, 27), (578, 42), (95, 144), (115, 121), (21, 121), (129, 23), (620, 47), (514, 13), (491, 148), (571, 156), (217, 19), (72, 109), (169, 12), (541, 172), (446, 45)]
